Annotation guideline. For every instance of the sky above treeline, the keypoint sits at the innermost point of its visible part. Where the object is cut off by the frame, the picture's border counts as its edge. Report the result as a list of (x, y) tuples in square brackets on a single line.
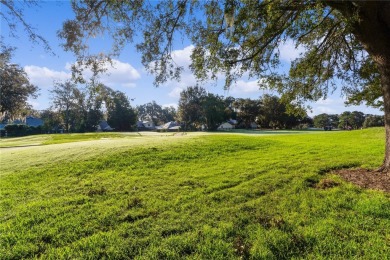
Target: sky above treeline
[(128, 74)]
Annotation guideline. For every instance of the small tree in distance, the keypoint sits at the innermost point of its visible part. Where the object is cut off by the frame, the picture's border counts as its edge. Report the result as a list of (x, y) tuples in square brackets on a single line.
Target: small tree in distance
[(64, 99)]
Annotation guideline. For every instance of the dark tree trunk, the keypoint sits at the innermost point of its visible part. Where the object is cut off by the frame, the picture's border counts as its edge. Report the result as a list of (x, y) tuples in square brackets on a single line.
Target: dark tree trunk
[(373, 31), (385, 81)]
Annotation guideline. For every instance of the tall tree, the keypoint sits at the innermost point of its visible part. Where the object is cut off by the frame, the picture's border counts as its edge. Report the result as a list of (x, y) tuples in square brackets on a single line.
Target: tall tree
[(65, 99), (169, 114), (151, 111), (358, 118), (121, 115), (321, 120), (51, 120), (230, 113), (324, 119), (346, 120), (190, 109), (213, 107), (274, 114), (354, 120), (93, 105), (15, 87), (247, 110), (373, 120), (235, 37)]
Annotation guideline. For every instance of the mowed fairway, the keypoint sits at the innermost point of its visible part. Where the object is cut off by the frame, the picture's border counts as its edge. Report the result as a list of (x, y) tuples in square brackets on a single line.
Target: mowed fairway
[(196, 196)]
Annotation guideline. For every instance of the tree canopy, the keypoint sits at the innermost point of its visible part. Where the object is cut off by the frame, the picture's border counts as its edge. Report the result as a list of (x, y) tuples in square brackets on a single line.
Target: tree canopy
[(191, 107), (238, 37), (67, 99)]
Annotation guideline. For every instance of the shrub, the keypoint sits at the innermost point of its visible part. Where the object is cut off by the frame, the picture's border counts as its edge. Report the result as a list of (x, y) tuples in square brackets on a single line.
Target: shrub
[(22, 130)]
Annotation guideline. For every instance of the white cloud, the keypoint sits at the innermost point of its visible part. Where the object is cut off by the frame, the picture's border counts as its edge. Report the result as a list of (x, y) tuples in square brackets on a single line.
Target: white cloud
[(288, 52), (332, 105), (122, 72), (43, 77), (183, 57), (118, 74)]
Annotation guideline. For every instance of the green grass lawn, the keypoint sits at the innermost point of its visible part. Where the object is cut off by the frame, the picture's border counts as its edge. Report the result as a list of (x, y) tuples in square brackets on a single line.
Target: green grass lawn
[(195, 196)]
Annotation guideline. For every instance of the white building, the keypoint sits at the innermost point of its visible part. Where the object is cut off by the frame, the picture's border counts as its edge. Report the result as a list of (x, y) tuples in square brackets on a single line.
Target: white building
[(225, 126)]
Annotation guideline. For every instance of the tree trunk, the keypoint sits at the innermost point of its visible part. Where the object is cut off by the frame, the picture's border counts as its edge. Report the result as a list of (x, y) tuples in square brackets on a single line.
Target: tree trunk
[(385, 81), (373, 31)]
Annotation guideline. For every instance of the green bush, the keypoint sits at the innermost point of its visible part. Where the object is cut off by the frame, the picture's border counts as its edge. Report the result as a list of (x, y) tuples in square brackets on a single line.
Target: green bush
[(22, 130)]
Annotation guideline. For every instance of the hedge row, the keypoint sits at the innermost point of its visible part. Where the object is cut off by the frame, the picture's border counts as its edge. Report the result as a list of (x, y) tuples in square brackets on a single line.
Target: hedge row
[(21, 130)]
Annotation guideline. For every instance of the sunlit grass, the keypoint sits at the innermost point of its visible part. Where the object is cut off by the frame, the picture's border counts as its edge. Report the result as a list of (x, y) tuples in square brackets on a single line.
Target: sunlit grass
[(198, 196)]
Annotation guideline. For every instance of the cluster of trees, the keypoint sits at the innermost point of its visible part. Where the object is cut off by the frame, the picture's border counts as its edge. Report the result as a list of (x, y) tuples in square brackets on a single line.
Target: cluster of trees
[(154, 112), (81, 110), (348, 120), (74, 109), (198, 108)]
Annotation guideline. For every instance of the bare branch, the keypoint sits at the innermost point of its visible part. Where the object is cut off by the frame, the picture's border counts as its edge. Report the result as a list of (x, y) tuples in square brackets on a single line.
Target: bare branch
[(34, 37)]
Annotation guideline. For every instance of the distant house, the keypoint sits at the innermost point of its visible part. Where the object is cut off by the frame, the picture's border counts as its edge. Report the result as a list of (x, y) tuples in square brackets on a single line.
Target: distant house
[(145, 125), (140, 126), (253, 125), (103, 126), (17, 122), (170, 126), (225, 126), (149, 124), (29, 121), (233, 122), (33, 121)]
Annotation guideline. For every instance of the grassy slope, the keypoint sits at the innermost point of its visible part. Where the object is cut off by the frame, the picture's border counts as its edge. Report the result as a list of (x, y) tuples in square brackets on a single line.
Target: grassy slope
[(203, 197)]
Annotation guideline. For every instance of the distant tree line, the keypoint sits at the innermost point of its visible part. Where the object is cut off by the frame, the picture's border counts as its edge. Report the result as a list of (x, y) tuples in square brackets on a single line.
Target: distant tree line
[(74, 107), (198, 108), (348, 120), (80, 109)]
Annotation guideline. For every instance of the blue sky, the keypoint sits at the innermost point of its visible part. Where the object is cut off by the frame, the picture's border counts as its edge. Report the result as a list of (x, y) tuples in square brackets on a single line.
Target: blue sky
[(128, 75)]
